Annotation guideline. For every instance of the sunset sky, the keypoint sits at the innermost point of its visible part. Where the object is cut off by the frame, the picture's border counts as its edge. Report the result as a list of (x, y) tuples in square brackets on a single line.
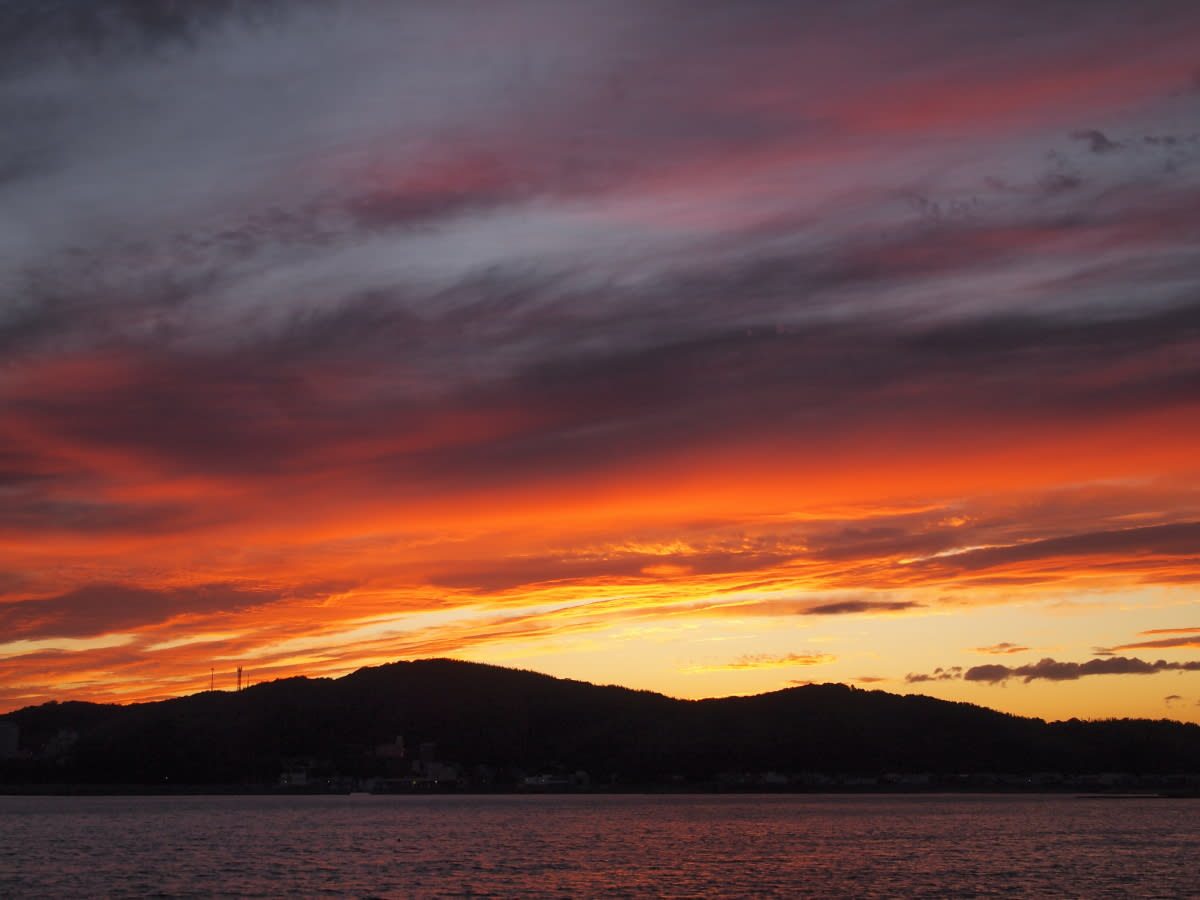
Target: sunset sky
[(703, 347)]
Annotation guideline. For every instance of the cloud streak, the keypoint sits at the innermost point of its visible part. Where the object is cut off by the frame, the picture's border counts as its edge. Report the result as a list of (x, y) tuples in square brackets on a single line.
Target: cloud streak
[(1002, 649), (1183, 637), (770, 661)]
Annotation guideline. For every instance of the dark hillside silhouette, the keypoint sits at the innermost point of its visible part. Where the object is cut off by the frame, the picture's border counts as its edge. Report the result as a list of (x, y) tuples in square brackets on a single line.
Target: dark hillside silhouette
[(502, 725)]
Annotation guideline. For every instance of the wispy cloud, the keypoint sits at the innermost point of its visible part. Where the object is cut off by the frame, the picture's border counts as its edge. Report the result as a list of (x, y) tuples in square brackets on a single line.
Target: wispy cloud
[(768, 661), (1002, 648)]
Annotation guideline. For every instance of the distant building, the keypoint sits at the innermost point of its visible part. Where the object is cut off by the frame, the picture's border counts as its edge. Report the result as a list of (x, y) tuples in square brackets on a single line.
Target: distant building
[(298, 772), (555, 781), (10, 735), (440, 773), (297, 776)]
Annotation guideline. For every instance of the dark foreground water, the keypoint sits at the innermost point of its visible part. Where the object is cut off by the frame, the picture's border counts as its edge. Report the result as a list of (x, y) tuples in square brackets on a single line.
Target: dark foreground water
[(599, 846)]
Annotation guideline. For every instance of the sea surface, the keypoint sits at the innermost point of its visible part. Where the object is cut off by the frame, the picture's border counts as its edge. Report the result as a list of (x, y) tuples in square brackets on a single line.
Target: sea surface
[(599, 846)]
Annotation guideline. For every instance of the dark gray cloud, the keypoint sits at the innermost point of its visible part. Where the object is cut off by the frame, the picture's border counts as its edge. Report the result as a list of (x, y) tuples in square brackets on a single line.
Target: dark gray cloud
[(951, 673), (1096, 141), (1048, 669), (1052, 670), (1191, 639), (107, 608), (1175, 540), (851, 607), (35, 513), (99, 27)]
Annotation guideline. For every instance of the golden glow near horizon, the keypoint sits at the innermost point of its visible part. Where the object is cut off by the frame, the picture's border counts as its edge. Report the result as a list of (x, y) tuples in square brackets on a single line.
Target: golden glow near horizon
[(708, 363), (694, 609)]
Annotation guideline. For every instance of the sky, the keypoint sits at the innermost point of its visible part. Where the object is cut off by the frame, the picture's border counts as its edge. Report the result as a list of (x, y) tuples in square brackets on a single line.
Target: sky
[(701, 347)]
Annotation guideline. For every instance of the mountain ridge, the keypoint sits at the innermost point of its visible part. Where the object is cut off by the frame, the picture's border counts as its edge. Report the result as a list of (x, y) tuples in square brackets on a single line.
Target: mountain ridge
[(500, 725)]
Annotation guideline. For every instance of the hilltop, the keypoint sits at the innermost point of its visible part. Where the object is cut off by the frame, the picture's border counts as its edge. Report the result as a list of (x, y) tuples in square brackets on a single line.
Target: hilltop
[(479, 725)]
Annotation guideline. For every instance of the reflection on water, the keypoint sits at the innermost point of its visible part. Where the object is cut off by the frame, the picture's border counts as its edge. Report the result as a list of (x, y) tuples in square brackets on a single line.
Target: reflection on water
[(597, 846)]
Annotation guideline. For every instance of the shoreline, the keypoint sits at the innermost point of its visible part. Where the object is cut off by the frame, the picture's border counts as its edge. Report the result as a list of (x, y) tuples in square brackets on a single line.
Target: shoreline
[(139, 790)]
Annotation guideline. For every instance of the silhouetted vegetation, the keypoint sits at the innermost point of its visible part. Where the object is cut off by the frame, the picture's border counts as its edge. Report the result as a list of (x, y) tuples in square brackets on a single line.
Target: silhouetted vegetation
[(498, 726)]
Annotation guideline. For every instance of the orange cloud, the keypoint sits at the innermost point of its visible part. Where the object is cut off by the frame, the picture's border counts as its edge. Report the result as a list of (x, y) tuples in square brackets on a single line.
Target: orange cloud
[(769, 661), (1003, 648)]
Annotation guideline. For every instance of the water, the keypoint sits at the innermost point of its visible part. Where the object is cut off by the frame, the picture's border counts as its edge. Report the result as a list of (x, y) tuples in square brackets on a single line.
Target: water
[(598, 846)]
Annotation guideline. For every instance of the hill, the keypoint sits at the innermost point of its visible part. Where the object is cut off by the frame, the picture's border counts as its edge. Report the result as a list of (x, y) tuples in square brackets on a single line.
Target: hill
[(498, 726)]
